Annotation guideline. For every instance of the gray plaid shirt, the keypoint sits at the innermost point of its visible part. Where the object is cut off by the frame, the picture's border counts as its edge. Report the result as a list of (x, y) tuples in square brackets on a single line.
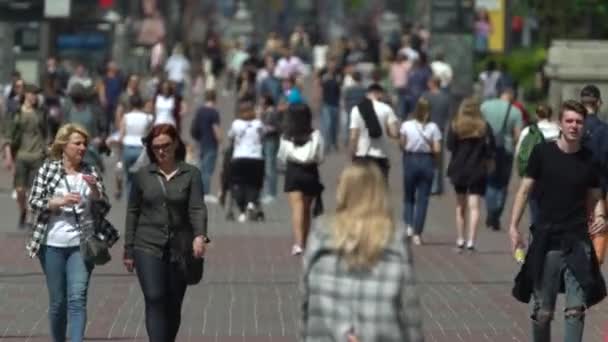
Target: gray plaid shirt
[(43, 189), (378, 305)]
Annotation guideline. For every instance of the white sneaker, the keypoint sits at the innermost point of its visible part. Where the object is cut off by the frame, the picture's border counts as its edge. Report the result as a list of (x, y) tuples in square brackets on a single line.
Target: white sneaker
[(417, 240), (211, 199), (242, 218), (296, 250), (410, 231)]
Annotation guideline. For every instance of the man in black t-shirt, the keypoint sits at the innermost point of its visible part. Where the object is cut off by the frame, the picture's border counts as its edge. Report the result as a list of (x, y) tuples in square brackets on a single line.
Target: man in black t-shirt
[(330, 80), (566, 185)]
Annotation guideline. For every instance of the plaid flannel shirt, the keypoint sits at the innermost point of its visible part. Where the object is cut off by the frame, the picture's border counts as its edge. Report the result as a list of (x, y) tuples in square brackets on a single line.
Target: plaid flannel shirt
[(43, 189), (379, 304)]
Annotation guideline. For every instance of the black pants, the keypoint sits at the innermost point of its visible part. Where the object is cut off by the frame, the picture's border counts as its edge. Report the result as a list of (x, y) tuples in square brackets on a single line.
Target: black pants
[(164, 288), (247, 178)]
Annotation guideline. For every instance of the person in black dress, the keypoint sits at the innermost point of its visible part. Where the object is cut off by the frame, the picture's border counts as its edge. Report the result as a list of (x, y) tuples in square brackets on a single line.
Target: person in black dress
[(301, 150), (471, 143)]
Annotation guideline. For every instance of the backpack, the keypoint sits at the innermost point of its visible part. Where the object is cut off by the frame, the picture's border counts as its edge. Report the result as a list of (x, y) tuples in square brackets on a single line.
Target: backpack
[(533, 138), (368, 114)]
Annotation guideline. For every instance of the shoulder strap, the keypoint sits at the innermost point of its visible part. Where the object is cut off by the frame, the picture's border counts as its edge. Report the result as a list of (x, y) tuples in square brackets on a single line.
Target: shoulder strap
[(162, 185), (76, 216), (504, 122)]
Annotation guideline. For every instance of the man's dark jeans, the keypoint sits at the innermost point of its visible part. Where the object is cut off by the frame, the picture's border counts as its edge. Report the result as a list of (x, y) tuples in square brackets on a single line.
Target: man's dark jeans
[(498, 184), (164, 288)]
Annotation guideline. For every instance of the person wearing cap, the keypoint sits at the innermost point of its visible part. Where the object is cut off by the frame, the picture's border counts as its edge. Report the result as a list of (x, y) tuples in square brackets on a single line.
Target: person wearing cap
[(370, 123), (26, 147)]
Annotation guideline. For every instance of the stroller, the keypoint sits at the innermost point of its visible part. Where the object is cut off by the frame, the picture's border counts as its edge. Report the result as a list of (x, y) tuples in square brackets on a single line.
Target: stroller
[(228, 189)]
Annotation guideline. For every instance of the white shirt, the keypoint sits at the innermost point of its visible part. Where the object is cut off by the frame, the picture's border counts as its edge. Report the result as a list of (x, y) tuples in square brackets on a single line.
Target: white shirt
[(247, 137), (177, 67), (164, 110), (412, 54), (367, 146), (549, 129), (443, 71), (62, 228), (309, 153), (136, 127), (419, 138)]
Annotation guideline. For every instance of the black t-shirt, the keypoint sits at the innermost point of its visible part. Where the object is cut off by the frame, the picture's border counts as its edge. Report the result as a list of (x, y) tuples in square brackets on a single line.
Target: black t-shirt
[(561, 182), (330, 84)]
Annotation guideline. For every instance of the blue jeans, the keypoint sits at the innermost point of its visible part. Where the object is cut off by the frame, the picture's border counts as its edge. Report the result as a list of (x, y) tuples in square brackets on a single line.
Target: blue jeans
[(545, 295), (402, 109), (498, 183), (129, 157), (418, 170), (330, 116), (67, 280), (208, 157), (271, 148)]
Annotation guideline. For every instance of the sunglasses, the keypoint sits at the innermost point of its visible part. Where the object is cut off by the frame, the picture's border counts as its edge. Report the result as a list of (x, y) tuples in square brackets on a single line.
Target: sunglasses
[(163, 147)]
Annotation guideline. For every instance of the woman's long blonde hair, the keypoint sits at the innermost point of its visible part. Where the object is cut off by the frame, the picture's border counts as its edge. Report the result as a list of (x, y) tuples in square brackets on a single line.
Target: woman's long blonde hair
[(363, 223), (468, 122), (62, 138)]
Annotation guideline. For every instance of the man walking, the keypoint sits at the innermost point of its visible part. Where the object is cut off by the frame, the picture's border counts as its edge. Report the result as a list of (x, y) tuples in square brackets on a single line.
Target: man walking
[(439, 101), (595, 137), (329, 81), (566, 184), (506, 122), (207, 132)]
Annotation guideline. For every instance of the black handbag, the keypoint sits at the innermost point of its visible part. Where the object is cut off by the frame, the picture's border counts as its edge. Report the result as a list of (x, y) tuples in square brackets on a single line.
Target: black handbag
[(93, 248), (191, 267)]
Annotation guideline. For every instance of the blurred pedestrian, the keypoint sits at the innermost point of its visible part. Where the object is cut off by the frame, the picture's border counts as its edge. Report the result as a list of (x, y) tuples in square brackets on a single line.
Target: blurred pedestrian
[(131, 89), (273, 121), (177, 68), (471, 142), (247, 166), (371, 123), (134, 126), (169, 107), (329, 81), (165, 228), (420, 139), (346, 259), (506, 122), (81, 77), (301, 150), (354, 93), (26, 147), (207, 132), (488, 79), (439, 101), (442, 70), (67, 196), (399, 74)]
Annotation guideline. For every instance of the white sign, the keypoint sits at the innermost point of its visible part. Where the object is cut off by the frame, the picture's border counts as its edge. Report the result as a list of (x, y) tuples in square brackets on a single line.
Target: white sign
[(57, 8), (489, 5)]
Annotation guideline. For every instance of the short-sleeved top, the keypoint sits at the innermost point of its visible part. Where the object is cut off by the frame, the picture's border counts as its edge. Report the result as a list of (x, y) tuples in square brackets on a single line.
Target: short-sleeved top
[(33, 141), (494, 111), (164, 110), (561, 182), (202, 127), (419, 137), (330, 86), (367, 146), (136, 124), (247, 135)]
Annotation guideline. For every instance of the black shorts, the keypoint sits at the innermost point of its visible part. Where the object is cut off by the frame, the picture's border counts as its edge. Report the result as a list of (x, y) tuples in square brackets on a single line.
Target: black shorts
[(478, 188), (303, 178)]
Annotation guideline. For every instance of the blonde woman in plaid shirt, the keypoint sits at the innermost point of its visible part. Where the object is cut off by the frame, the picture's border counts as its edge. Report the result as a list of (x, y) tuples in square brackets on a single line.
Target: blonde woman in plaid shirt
[(66, 186), (358, 282)]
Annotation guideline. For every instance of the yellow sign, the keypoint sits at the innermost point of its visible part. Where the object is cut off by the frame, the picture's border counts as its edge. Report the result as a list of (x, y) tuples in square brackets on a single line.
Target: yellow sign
[(496, 13)]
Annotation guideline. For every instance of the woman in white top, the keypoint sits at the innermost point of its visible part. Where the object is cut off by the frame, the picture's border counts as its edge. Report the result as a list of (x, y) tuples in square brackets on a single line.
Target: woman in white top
[(67, 195), (168, 106), (421, 142), (301, 150), (247, 165), (134, 125)]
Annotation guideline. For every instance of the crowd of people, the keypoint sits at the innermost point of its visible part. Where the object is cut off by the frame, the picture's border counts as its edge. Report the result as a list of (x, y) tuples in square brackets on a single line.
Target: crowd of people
[(139, 119)]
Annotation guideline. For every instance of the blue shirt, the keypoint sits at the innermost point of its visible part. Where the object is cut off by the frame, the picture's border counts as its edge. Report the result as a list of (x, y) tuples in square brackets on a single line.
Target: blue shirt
[(202, 127)]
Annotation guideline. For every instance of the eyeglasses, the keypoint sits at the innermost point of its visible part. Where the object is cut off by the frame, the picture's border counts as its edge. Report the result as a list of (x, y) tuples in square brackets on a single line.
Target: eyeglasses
[(159, 147)]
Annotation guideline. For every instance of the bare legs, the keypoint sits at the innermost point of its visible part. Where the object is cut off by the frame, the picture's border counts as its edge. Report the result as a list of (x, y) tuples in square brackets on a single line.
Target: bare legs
[(464, 203), (300, 217)]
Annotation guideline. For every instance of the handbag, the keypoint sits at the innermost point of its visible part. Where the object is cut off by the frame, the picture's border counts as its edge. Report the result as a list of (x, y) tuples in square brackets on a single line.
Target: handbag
[(191, 267), (93, 248)]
